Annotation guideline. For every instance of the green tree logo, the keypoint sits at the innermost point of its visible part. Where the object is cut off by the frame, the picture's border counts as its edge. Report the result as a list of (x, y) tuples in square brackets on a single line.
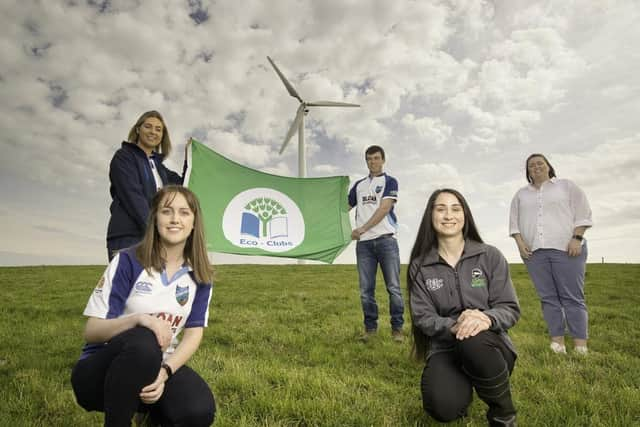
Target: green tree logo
[(265, 209)]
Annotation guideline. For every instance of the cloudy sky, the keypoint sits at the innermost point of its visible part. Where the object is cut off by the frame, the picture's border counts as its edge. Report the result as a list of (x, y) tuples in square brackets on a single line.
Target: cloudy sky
[(458, 92)]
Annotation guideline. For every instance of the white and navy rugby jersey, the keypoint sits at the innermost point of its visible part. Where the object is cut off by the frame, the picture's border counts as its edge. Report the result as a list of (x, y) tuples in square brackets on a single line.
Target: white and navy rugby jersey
[(126, 288), (366, 195)]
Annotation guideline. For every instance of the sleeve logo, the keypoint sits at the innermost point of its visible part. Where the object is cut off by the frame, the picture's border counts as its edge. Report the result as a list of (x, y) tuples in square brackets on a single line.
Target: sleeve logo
[(98, 289)]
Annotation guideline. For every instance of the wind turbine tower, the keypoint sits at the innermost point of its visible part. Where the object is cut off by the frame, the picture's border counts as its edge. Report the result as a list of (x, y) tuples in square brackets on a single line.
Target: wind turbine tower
[(298, 121)]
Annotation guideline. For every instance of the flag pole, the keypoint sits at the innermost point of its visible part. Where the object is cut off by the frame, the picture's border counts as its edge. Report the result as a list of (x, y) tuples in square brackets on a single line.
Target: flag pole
[(302, 161)]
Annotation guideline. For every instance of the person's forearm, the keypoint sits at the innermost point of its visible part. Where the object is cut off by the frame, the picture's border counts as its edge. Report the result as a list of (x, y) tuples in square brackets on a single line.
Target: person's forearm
[(518, 238), (102, 330), (378, 215), (189, 343), (374, 220), (579, 231)]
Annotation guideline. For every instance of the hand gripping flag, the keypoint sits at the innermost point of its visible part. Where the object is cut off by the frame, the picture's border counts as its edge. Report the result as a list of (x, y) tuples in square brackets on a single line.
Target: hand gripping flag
[(254, 213)]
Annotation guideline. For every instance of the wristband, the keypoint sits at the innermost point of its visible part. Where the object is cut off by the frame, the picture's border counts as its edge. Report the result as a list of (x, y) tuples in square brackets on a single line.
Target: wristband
[(168, 369), (577, 237)]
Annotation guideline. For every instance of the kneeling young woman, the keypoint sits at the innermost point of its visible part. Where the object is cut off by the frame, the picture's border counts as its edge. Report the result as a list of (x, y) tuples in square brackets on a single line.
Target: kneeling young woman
[(133, 361), (462, 304)]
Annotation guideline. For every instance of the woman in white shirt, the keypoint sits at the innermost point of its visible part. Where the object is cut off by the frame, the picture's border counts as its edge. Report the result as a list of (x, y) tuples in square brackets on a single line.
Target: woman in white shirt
[(548, 220)]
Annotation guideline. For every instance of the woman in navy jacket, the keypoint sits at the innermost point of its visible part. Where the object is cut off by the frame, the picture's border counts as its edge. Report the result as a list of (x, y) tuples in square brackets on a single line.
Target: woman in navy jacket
[(462, 304), (136, 172)]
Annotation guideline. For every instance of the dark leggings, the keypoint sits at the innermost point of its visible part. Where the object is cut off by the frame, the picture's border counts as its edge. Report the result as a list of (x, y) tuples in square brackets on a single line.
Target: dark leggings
[(482, 362), (110, 381)]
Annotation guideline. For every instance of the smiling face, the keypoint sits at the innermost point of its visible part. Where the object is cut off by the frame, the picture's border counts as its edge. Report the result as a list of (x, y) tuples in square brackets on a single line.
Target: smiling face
[(447, 216), (375, 163), (150, 134), (538, 169), (175, 220)]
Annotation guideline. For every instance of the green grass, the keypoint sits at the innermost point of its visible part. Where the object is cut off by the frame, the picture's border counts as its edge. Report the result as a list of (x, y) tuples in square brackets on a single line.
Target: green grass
[(282, 350)]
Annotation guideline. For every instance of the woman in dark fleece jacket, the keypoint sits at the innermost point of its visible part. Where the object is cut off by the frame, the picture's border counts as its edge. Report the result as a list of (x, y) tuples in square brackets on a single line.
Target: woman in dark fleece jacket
[(462, 303), (136, 172)]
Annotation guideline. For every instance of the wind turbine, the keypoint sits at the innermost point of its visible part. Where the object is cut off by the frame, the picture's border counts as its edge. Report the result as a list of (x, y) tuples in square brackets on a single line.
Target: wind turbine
[(298, 121)]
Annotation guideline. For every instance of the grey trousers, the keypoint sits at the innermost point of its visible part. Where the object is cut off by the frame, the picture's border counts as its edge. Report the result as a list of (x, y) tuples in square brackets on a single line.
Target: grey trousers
[(559, 281)]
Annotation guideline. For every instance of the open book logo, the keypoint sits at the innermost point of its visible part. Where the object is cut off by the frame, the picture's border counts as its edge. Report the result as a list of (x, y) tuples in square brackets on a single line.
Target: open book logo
[(263, 218)]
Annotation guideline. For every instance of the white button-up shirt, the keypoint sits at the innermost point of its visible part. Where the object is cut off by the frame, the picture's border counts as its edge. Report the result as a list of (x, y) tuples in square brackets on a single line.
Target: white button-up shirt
[(546, 217)]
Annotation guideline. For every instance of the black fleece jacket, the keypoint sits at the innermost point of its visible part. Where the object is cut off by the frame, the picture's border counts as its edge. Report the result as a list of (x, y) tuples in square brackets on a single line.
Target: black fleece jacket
[(480, 280)]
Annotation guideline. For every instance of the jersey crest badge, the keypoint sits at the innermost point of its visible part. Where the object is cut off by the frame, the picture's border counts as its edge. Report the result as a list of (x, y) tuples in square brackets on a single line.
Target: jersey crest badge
[(182, 294)]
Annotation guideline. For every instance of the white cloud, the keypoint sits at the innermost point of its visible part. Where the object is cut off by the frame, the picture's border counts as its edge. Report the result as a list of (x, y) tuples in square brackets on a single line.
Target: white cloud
[(429, 128), (326, 169), (457, 92)]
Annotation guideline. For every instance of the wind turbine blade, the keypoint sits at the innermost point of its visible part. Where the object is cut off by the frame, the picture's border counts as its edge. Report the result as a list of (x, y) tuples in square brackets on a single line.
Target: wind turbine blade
[(292, 91), (294, 127), (330, 104)]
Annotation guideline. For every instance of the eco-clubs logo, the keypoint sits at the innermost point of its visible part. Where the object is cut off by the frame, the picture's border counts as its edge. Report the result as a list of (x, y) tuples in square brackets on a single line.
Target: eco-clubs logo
[(263, 218)]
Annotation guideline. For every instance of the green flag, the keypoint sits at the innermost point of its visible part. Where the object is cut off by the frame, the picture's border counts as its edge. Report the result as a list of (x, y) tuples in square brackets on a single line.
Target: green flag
[(254, 213)]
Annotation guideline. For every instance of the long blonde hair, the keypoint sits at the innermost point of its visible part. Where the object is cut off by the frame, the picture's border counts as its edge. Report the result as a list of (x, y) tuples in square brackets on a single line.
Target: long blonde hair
[(150, 251), (165, 143)]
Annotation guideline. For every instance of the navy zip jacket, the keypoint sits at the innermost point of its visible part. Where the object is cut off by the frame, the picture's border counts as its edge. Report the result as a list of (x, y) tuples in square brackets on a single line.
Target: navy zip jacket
[(440, 293), (132, 188)]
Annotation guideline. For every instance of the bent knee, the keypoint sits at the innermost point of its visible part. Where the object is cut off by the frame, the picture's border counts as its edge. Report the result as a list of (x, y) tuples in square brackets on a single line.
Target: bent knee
[(477, 344), (445, 414), (142, 345), (201, 415), (443, 409), (199, 419)]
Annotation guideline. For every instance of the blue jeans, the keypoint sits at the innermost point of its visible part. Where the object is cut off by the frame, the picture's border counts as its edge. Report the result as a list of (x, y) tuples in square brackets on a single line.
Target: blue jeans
[(370, 253), (559, 281)]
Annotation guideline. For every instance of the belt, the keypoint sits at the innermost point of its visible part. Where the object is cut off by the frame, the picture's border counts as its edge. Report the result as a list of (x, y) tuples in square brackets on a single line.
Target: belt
[(384, 236)]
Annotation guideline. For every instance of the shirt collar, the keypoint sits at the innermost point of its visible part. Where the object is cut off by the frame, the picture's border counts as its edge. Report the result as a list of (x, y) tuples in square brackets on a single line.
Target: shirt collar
[(551, 180), (471, 248), (377, 176), (166, 280), (135, 147)]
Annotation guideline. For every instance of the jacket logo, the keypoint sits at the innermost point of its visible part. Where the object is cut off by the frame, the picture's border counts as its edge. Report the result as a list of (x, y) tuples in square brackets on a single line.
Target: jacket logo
[(434, 284), (477, 278)]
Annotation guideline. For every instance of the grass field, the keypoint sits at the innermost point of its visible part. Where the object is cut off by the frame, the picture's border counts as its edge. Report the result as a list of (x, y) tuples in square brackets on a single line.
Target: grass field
[(281, 350)]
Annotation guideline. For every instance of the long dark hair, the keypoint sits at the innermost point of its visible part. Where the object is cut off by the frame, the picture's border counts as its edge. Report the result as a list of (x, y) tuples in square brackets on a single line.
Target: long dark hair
[(552, 171), (150, 252), (426, 240)]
